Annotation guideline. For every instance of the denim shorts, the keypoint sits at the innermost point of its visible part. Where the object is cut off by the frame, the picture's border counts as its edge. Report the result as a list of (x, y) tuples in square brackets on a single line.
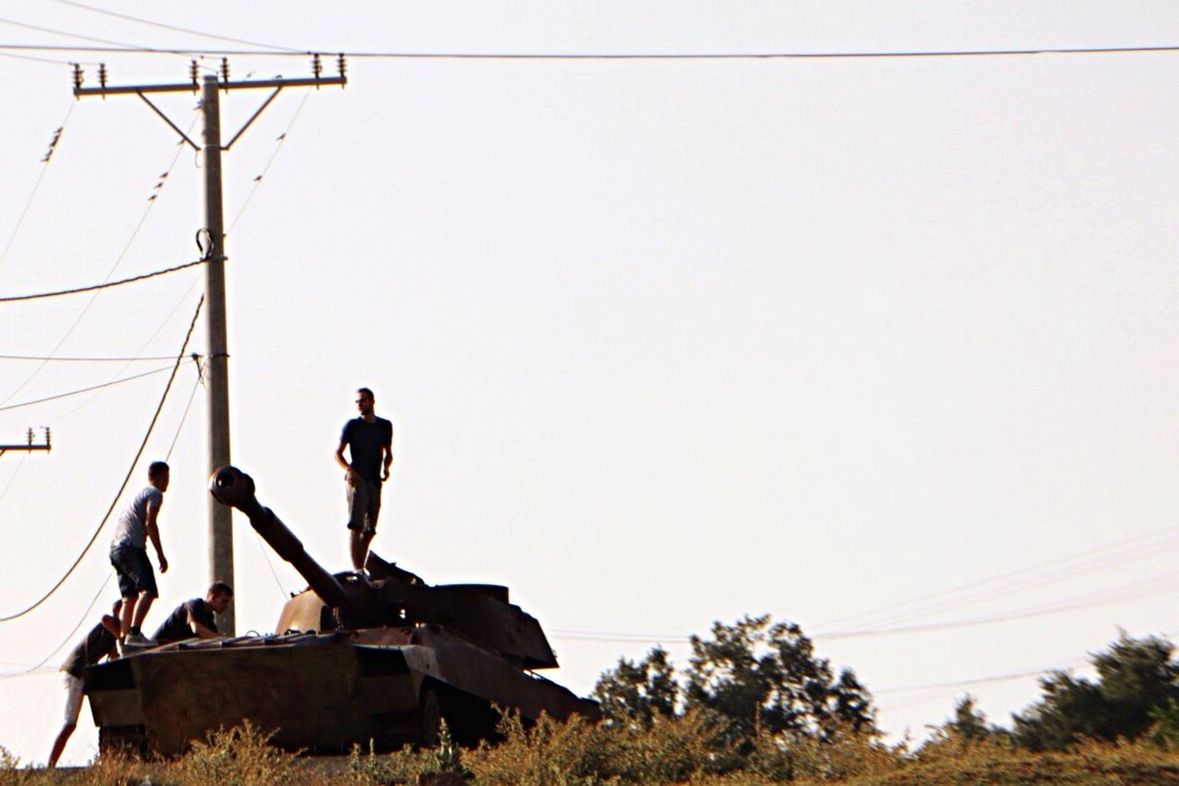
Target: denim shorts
[(134, 571)]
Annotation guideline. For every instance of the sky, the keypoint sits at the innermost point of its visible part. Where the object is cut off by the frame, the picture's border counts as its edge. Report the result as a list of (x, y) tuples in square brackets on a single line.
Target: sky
[(885, 347)]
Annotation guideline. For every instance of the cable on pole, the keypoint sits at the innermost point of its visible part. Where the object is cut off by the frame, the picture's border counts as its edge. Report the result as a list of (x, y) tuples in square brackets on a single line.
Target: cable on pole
[(37, 184), (147, 211), (89, 359), (126, 479), (84, 390), (273, 155), (96, 287), (604, 56), (68, 637)]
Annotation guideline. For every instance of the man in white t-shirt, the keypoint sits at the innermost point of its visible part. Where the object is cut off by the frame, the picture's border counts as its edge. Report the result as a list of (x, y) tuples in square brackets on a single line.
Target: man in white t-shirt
[(138, 524)]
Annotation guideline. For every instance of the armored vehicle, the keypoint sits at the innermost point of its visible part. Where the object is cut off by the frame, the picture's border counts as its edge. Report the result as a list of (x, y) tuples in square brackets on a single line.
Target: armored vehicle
[(378, 656)]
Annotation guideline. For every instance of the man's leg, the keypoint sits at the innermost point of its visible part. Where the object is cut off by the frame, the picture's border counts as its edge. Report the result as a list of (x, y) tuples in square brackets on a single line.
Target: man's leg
[(141, 609), (359, 503), (358, 545), (72, 710), (59, 744), (128, 613)]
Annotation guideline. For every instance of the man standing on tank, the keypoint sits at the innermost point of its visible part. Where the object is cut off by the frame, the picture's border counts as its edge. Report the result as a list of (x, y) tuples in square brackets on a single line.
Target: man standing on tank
[(137, 524), (370, 439)]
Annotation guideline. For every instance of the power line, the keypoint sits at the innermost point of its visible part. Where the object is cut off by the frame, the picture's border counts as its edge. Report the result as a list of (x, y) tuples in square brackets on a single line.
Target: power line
[(52, 31), (84, 390), (92, 359), (282, 138), (138, 454), (147, 211), (34, 59), (96, 287), (146, 342), (36, 185), (991, 586), (164, 26), (68, 637), (606, 56)]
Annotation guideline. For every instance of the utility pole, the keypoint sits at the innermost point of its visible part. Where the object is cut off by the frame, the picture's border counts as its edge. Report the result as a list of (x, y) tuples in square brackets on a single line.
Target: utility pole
[(28, 447), (213, 251)]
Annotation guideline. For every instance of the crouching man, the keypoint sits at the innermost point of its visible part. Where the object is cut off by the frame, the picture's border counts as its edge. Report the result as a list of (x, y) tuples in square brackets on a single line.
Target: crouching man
[(195, 618), (99, 643)]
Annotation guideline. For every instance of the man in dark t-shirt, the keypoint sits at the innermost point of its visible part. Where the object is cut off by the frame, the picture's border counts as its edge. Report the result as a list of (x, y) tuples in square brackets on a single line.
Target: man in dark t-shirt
[(195, 618), (370, 440), (99, 643)]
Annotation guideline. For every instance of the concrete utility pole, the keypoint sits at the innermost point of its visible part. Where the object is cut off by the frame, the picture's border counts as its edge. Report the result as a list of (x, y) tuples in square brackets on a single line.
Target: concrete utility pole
[(28, 447), (213, 252)]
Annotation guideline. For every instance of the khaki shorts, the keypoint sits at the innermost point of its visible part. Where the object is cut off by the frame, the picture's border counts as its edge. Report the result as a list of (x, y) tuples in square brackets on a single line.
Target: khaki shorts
[(364, 505)]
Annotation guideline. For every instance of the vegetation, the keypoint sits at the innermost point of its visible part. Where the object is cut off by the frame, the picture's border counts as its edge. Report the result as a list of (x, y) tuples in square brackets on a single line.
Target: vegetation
[(755, 705)]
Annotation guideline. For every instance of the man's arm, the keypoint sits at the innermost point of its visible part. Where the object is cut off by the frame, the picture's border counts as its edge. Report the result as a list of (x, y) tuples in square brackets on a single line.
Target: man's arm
[(350, 473), (387, 448), (153, 532), (202, 631)]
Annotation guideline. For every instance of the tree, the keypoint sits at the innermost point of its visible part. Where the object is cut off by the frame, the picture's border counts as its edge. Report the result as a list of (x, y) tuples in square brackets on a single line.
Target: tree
[(1136, 678), (969, 724), (639, 692), (765, 676)]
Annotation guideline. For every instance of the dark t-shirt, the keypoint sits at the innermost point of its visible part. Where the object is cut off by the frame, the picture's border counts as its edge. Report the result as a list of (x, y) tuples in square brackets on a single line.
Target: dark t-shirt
[(176, 627), (99, 642), (366, 440)]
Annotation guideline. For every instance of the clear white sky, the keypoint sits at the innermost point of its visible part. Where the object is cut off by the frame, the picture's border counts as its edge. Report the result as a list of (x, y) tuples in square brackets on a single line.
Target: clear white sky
[(664, 342)]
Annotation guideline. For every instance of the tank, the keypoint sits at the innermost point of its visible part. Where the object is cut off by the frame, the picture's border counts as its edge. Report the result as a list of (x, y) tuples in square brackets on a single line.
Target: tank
[(382, 657)]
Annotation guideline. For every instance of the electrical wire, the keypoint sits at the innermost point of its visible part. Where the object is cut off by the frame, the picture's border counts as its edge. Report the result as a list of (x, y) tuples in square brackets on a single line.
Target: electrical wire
[(195, 384), (96, 287), (86, 359), (85, 390), (606, 56), (282, 138), (36, 186), (147, 211), (90, 607), (12, 478), (52, 31), (138, 454), (146, 342), (1141, 588), (1103, 555), (65, 641), (34, 59), (163, 26)]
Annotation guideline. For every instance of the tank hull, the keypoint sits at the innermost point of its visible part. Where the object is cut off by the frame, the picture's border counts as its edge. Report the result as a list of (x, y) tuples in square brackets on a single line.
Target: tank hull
[(317, 693)]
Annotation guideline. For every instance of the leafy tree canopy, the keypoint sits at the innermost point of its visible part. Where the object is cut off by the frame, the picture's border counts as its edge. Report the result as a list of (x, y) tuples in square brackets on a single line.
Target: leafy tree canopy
[(757, 674), (1136, 679)]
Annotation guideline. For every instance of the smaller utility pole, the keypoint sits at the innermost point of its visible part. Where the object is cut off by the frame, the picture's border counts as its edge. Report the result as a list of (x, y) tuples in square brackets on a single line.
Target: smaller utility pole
[(29, 447)]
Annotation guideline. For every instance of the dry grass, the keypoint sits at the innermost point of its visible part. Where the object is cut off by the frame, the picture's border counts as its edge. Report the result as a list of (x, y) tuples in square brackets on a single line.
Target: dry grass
[(686, 750)]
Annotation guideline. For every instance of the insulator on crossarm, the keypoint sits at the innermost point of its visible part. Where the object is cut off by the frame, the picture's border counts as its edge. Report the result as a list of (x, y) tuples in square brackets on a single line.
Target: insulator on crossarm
[(316, 65), (102, 74), (79, 76), (225, 70), (342, 67), (194, 73)]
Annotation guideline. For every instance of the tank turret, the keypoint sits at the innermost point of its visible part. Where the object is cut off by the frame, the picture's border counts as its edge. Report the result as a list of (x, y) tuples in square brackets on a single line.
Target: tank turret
[(387, 596)]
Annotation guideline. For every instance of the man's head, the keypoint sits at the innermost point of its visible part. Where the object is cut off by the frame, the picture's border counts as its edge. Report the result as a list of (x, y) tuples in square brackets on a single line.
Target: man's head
[(219, 596), (364, 402), (158, 475)]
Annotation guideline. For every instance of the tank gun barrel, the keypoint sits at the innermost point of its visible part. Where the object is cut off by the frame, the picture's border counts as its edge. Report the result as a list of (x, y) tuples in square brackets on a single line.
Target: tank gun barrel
[(230, 486)]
